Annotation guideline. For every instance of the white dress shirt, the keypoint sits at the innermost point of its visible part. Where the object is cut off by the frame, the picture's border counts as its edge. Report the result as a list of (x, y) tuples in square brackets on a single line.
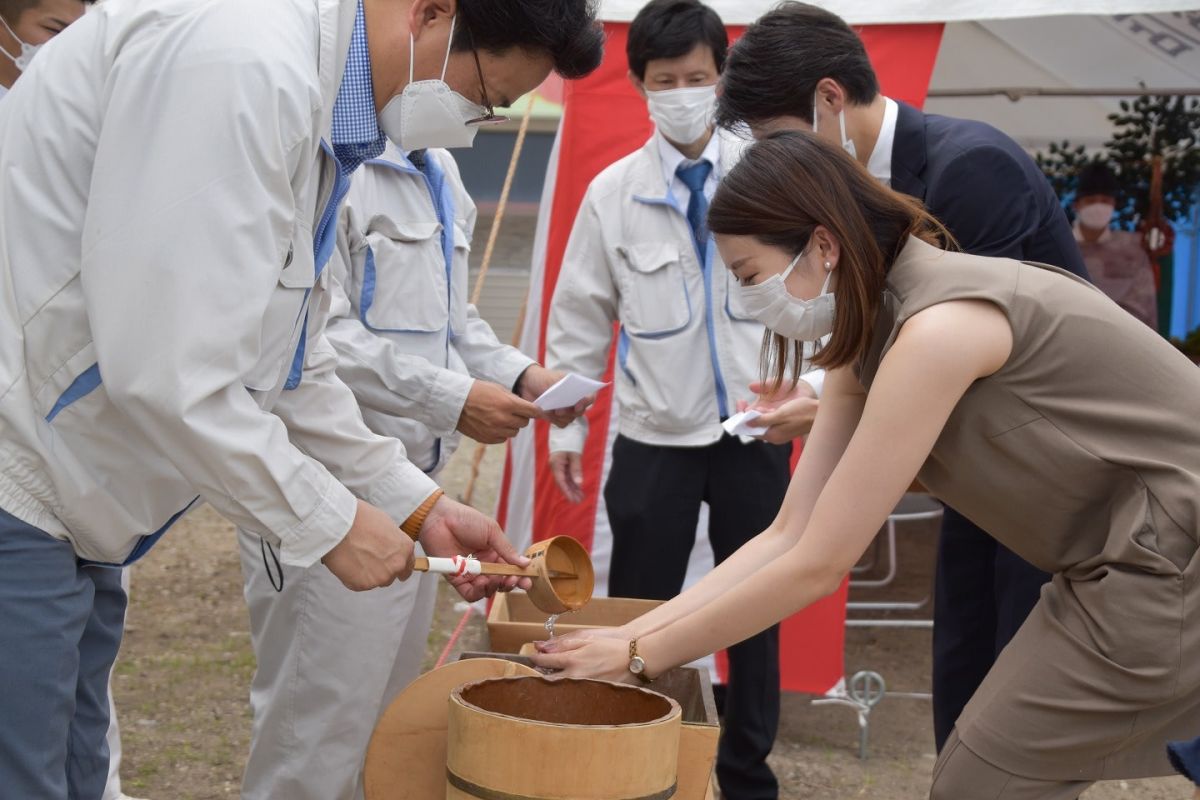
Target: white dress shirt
[(880, 162)]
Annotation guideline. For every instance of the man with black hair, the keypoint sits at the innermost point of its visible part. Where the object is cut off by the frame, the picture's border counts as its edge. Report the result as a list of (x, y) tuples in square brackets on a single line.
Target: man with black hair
[(1116, 259), (162, 336), (800, 67), (640, 256)]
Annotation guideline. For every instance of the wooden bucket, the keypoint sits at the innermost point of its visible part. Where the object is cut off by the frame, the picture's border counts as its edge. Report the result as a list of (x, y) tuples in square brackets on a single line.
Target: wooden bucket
[(560, 739), (406, 758)]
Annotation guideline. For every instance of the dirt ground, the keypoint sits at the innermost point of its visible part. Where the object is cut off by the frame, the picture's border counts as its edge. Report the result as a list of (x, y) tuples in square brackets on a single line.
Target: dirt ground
[(182, 681)]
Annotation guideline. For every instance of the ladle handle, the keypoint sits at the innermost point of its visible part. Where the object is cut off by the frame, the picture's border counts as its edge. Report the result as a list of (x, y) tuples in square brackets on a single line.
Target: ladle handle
[(470, 566)]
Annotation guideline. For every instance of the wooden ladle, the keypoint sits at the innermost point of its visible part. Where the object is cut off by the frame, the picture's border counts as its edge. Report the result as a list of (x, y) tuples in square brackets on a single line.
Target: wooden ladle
[(562, 574)]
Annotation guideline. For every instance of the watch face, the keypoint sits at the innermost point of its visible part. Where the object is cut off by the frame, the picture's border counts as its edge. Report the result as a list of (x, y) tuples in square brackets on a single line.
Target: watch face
[(636, 665)]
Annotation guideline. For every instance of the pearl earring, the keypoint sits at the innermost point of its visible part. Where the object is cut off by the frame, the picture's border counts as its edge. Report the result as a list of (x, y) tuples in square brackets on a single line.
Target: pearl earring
[(828, 267)]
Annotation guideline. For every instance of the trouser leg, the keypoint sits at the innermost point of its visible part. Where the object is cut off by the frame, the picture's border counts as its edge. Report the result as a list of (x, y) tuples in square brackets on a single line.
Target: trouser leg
[(60, 627), (746, 484), (960, 774), (325, 658), (413, 643), (653, 497), (1185, 758), (112, 789), (964, 618), (87, 765)]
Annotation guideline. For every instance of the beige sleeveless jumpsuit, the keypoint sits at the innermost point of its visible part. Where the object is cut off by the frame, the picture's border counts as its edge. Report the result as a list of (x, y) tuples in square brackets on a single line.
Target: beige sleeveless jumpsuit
[(1082, 455)]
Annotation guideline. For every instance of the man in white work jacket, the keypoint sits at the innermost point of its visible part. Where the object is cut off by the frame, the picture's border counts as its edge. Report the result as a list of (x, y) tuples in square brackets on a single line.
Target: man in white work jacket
[(171, 173), (26, 26), (687, 354), (425, 369)]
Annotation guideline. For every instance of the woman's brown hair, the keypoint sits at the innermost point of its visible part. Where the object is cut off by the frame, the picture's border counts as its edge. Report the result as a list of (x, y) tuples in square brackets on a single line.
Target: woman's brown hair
[(782, 189)]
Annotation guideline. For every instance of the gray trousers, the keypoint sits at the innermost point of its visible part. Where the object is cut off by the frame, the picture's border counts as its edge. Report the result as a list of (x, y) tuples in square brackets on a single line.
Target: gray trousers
[(330, 661), (60, 629)]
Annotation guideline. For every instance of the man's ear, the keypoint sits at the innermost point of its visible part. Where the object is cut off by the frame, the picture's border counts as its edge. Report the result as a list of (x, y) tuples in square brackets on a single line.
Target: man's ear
[(426, 14), (831, 93), (638, 85)]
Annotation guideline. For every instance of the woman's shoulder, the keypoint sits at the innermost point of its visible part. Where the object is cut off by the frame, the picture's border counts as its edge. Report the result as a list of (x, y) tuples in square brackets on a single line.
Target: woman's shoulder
[(925, 275)]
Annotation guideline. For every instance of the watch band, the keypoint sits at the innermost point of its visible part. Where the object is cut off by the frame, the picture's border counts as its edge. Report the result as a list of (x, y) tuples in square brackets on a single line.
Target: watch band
[(412, 525)]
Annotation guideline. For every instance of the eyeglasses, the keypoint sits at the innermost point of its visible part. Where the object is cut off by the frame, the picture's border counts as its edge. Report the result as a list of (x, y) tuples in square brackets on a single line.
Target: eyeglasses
[(490, 117)]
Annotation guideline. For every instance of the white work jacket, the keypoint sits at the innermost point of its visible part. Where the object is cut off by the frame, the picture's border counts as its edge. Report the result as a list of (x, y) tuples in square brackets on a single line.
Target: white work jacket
[(687, 351), (409, 344), (162, 173)]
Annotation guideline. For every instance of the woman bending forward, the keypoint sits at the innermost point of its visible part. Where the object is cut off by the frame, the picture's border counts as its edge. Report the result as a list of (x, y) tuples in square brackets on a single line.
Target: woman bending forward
[(1019, 395)]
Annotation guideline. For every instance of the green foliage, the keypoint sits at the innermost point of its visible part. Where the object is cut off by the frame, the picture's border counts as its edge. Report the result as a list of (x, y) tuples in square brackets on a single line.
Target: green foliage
[(1191, 345), (1148, 126)]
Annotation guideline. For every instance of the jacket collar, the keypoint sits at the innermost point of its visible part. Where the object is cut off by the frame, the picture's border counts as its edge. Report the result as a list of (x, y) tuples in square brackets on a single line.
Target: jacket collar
[(908, 152), (337, 26), (646, 183), (646, 174)]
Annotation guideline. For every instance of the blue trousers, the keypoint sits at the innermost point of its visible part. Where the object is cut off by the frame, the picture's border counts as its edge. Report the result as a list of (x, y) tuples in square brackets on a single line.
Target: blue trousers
[(1185, 758), (60, 628)]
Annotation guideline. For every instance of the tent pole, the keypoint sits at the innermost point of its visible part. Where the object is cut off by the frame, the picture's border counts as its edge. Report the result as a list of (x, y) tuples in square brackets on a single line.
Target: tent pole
[(493, 235)]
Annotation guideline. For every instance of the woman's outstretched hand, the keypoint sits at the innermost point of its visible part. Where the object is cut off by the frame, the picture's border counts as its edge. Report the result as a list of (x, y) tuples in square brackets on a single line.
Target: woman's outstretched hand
[(601, 653), (602, 658)]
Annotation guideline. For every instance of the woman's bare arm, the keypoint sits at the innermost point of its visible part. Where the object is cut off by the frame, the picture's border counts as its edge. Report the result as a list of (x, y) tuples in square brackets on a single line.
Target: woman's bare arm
[(839, 414), (937, 355)]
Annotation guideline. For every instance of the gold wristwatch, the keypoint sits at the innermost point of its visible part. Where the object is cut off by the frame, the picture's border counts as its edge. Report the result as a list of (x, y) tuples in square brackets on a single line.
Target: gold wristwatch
[(637, 664)]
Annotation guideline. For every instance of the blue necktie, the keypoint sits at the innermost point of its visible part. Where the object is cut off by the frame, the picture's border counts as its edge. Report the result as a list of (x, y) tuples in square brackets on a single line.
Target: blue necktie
[(694, 175)]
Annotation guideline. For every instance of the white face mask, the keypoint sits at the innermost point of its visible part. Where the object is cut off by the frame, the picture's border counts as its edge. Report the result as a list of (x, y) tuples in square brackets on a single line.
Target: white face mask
[(1097, 216), (847, 143), (774, 306), (28, 51), (683, 115), (429, 113)]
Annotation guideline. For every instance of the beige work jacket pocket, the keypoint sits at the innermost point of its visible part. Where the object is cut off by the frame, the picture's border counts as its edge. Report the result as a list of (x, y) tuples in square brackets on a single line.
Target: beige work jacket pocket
[(654, 295), (403, 286)]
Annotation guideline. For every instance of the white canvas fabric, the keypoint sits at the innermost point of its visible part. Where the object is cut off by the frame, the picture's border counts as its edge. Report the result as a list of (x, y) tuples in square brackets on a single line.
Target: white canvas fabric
[(865, 12)]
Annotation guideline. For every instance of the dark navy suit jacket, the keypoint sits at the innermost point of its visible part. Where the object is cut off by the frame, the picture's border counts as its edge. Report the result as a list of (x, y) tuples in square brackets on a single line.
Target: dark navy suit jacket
[(984, 188)]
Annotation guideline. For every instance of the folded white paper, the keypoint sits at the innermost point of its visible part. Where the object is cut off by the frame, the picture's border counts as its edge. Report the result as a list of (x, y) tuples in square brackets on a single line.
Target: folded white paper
[(567, 392), (740, 424)]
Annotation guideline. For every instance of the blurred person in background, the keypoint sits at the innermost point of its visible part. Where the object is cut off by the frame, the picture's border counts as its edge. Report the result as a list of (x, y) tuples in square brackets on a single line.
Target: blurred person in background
[(1116, 260)]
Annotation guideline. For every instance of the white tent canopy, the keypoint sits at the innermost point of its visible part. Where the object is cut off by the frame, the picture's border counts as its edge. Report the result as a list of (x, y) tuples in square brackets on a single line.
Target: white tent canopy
[(872, 12), (1099, 53), (1118, 46)]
